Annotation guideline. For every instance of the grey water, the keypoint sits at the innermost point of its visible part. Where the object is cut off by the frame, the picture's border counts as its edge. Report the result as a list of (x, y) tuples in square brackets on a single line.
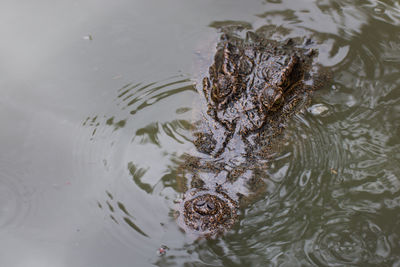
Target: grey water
[(96, 103)]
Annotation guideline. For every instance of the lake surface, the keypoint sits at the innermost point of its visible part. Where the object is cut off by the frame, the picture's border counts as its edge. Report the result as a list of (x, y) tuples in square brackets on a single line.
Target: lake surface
[(96, 106)]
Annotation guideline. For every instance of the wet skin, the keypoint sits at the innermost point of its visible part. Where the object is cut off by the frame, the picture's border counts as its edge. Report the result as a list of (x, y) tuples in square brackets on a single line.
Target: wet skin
[(254, 86)]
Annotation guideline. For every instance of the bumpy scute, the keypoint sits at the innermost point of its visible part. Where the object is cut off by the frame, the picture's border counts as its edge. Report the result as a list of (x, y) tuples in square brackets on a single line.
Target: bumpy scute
[(254, 86)]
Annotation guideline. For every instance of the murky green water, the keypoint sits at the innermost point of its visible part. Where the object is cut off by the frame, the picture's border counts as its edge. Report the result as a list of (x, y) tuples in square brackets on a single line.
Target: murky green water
[(96, 105)]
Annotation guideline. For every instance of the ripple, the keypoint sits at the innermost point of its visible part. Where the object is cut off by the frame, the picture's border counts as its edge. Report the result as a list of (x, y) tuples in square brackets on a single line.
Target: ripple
[(135, 118), (314, 160), (14, 197), (315, 146), (348, 239), (309, 163), (10, 204), (336, 172), (131, 147), (139, 102)]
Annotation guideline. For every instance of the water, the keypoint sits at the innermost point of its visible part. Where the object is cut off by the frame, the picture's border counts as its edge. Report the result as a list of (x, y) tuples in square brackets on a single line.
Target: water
[(96, 104)]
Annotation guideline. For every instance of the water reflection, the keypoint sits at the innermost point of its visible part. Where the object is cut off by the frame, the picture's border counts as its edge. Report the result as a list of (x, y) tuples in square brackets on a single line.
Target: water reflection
[(134, 140), (137, 174), (92, 138), (126, 216), (333, 184), (333, 198)]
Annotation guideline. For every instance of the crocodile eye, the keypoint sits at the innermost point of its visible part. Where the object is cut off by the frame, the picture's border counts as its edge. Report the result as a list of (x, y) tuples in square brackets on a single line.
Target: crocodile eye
[(290, 74), (271, 97), (210, 205), (200, 203), (278, 101)]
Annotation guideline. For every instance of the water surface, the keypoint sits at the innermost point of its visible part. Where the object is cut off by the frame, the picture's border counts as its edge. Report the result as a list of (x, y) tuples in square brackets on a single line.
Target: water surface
[(97, 99)]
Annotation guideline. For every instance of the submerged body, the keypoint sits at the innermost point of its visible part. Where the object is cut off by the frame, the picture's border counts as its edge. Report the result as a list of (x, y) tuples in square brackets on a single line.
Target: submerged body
[(253, 87)]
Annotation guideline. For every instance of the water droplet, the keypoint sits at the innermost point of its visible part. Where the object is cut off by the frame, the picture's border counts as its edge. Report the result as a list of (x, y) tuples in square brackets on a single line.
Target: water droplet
[(379, 10), (88, 37), (318, 109)]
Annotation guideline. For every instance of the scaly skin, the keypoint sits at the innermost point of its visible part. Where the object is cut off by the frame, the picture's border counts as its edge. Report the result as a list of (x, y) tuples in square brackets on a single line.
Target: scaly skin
[(254, 86)]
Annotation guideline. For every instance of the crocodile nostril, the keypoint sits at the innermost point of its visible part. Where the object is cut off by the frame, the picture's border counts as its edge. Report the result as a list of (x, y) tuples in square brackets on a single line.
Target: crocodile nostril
[(200, 203), (210, 205)]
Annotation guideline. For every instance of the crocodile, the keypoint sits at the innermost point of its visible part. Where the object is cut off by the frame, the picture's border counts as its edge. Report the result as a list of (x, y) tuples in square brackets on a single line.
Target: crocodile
[(253, 87)]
